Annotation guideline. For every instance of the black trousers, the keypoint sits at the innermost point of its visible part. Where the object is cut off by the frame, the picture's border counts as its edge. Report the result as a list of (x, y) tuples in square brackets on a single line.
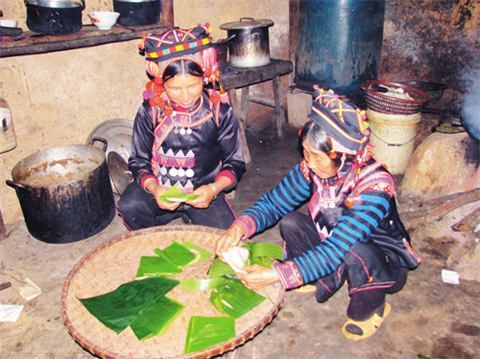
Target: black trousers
[(367, 269), (139, 210)]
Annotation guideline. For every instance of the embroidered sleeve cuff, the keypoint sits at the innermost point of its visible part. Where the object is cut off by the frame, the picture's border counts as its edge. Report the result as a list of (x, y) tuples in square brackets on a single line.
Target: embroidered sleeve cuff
[(288, 274), (248, 225), (228, 174)]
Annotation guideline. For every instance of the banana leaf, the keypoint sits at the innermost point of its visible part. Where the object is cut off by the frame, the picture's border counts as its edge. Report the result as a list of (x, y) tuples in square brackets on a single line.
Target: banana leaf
[(151, 266), (175, 195), (218, 269), (260, 253), (205, 332), (176, 254), (119, 308), (233, 298), (264, 249), (156, 319), (201, 284), (203, 254)]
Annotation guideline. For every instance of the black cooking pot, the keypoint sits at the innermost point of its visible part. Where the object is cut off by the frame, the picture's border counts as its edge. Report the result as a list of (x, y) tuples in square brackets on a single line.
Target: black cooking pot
[(64, 192), (55, 17), (137, 12)]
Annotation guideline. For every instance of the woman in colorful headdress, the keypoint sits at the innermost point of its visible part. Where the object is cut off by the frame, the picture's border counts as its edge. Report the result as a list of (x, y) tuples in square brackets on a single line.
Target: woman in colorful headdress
[(184, 135), (353, 231)]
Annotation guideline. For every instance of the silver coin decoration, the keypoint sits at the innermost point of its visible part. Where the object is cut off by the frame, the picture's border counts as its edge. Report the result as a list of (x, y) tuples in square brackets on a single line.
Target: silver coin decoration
[(173, 172), (189, 173)]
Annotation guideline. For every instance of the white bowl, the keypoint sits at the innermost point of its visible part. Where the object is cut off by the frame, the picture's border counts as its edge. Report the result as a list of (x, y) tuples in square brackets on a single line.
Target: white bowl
[(104, 20), (8, 23)]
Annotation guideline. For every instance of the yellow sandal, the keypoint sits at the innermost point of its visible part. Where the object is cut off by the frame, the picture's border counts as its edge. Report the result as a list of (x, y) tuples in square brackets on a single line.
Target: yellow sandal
[(306, 288), (367, 327)]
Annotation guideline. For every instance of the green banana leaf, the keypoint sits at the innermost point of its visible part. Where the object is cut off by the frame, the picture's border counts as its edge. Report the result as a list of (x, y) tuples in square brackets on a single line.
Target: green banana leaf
[(203, 253), (119, 308), (260, 253), (201, 284), (156, 319), (175, 195), (218, 269), (156, 266), (176, 254), (205, 332), (264, 249), (233, 298)]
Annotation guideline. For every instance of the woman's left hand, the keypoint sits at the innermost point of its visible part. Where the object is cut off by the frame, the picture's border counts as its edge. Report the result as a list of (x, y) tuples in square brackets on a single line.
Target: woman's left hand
[(205, 195), (257, 276)]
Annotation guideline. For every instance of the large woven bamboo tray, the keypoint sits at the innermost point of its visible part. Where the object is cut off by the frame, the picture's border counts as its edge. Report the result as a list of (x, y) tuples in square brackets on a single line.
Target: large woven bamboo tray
[(116, 262)]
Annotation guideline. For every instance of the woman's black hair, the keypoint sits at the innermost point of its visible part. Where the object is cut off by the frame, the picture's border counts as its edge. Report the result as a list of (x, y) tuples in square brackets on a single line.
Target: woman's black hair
[(182, 67), (319, 139)]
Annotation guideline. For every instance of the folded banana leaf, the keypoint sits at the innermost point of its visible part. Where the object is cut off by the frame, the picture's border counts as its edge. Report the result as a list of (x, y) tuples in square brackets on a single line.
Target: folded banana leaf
[(176, 254), (200, 253), (121, 307), (156, 319), (260, 253), (234, 299), (155, 267), (205, 332), (218, 269)]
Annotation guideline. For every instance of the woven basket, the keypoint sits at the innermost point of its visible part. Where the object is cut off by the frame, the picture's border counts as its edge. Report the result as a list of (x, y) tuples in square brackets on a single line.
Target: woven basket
[(378, 101), (116, 261)]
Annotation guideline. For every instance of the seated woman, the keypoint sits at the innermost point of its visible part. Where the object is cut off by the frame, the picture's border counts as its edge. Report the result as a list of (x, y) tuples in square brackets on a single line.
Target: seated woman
[(183, 135), (353, 232)]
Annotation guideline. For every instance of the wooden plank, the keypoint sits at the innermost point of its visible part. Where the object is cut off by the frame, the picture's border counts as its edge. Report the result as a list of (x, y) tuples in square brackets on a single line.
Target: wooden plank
[(236, 77), (418, 213), (88, 36)]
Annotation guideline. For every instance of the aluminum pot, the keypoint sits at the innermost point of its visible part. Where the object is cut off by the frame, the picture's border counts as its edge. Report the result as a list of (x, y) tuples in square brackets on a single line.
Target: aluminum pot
[(54, 17), (249, 45), (137, 12), (64, 192)]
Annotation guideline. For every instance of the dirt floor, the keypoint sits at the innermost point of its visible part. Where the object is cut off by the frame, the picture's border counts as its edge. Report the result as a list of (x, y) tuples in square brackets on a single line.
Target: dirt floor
[(429, 318)]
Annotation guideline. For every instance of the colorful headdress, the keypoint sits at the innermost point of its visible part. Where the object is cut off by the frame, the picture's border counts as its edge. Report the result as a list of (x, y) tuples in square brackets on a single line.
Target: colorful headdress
[(173, 45), (345, 125), (343, 122)]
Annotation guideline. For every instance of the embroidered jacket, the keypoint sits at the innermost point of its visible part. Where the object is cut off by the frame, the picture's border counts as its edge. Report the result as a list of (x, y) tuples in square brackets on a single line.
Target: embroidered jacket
[(187, 149), (338, 226)]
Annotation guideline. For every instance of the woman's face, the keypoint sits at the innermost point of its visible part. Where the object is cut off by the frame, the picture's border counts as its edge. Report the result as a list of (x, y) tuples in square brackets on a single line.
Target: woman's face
[(184, 90), (318, 161)]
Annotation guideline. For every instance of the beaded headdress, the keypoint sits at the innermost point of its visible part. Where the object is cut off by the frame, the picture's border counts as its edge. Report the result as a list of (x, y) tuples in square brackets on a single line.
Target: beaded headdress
[(346, 128), (193, 44)]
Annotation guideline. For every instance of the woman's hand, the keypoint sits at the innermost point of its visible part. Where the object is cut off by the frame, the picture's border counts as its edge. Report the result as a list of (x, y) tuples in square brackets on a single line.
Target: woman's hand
[(231, 237), (205, 194), (157, 192), (257, 276)]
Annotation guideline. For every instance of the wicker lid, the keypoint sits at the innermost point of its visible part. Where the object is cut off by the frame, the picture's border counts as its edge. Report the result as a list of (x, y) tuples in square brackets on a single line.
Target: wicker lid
[(116, 261)]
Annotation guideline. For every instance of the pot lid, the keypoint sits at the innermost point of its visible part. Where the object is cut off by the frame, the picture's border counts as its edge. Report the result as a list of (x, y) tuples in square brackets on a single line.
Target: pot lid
[(246, 23), (119, 172), (56, 3)]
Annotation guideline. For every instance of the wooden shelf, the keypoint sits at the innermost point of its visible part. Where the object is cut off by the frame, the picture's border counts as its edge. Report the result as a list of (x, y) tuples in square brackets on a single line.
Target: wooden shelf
[(88, 36)]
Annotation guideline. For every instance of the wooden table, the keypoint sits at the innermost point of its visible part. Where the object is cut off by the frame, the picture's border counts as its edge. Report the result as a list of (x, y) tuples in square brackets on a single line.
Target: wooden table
[(233, 78)]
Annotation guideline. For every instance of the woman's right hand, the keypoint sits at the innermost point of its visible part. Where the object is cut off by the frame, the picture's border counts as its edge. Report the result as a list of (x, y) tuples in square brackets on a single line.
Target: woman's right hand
[(231, 237)]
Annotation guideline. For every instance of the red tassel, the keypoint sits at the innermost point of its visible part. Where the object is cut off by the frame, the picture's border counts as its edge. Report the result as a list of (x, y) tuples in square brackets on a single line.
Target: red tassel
[(349, 202), (158, 80), (215, 98), (332, 155), (168, 111)]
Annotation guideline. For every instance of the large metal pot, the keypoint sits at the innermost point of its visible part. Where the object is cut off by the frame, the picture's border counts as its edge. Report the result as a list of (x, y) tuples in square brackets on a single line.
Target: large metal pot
[(137, 12), (64, 192), (249, 45), (55, 17)]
